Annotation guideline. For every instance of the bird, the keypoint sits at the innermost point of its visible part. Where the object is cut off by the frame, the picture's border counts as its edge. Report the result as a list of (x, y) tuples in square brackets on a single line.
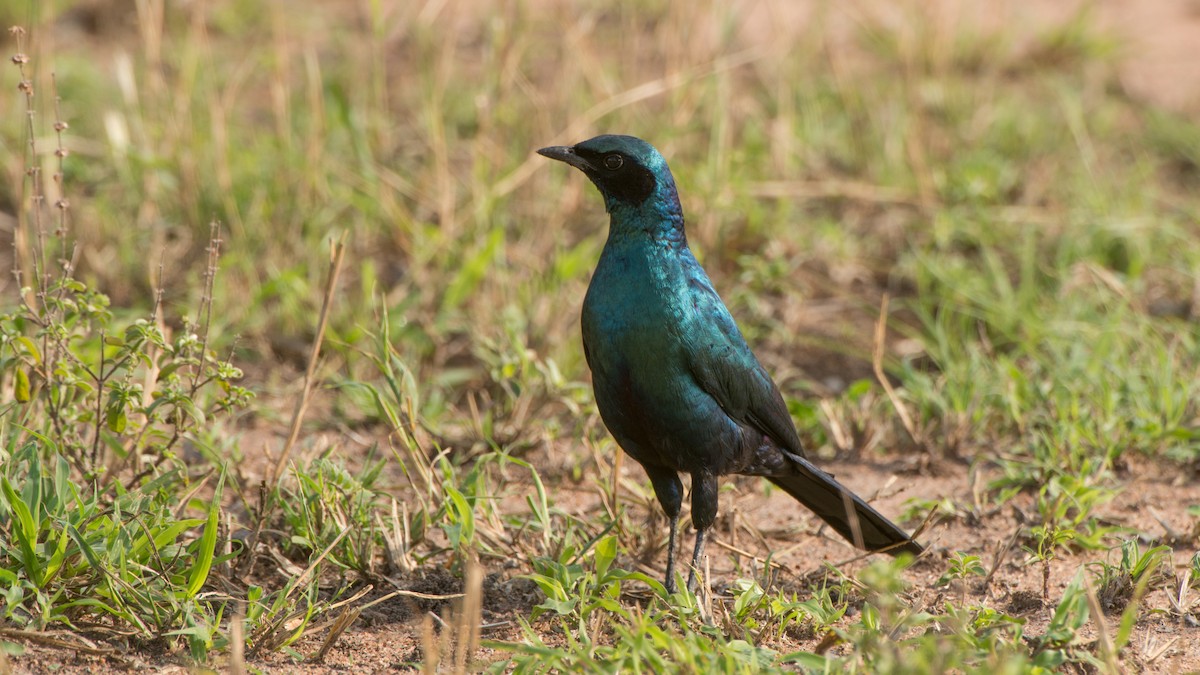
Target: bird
[(675, 382)]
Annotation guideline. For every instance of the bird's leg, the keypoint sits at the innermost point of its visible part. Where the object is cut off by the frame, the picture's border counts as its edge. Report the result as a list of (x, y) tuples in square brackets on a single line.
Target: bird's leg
[(670, 583), (696, 554), (669, 490), (704, 514)]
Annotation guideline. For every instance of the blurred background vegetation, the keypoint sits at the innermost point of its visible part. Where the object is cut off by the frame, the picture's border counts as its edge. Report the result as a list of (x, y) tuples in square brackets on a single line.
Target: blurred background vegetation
[(1032, 218)]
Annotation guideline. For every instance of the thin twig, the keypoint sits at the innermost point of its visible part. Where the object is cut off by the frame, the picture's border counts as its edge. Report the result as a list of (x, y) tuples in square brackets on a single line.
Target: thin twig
[(852, 517), (204, 315), (1104, 639), (344, 621), (49, 640), (746, 554), (1001, 554), (877, 363), (335, 268), (98, 426)]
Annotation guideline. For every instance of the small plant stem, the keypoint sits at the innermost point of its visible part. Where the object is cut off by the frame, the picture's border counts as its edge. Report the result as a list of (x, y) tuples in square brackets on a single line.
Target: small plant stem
[(335, 269)]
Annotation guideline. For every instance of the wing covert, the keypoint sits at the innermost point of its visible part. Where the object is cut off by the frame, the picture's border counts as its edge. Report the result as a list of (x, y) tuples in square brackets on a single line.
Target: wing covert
[(723, 365)]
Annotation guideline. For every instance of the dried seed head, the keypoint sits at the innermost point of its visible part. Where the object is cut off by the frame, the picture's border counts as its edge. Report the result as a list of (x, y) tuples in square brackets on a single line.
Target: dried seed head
[(61, 126), (63, 204), (26, 87), (61, 152), (20, 59)]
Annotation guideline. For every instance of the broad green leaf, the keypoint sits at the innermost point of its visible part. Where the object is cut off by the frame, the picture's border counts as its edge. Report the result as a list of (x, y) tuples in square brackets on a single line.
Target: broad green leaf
[(207, 545)]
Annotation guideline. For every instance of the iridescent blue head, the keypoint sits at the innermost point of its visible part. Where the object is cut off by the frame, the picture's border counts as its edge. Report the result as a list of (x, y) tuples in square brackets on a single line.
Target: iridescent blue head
[(629, 172)]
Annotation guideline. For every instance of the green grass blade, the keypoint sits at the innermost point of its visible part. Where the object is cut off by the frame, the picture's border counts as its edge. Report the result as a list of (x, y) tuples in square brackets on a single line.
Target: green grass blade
[(25, 531), (207, 545)]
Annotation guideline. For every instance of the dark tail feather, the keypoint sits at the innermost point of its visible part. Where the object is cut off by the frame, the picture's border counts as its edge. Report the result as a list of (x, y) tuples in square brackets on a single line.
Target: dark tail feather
[(845, 511)]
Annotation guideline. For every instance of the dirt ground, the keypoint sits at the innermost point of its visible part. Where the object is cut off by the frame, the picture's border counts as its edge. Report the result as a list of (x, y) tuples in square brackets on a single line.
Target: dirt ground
[(1158, 62), (388, 636)]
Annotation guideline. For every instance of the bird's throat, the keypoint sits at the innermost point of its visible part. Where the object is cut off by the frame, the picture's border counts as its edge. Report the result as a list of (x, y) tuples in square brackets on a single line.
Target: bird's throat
[(660, 219)]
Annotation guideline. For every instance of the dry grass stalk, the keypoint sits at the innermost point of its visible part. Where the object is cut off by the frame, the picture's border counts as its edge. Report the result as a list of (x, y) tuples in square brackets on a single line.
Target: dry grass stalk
[(458, 639), (237, 644), (337, 254), (877, 364), (344, 620)]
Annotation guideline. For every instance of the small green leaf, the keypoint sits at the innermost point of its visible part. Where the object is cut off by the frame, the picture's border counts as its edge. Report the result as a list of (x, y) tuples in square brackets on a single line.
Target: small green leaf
[(606, 552), (30, 348), (116, 418), (168, 370), (56, 559), (21, 388), (858, 389)]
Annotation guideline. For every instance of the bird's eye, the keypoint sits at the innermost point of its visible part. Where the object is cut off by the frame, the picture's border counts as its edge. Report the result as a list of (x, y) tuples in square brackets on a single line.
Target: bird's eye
[(613, 162)]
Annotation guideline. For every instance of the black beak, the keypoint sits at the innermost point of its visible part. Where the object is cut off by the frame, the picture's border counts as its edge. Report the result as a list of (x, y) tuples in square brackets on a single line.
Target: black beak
[(566, 154)]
